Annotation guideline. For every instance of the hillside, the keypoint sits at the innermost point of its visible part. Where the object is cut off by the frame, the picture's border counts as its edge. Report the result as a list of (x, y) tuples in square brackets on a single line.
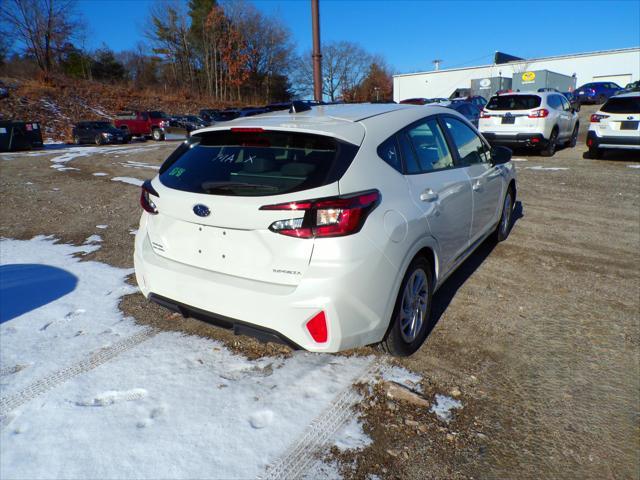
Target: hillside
[(58, 105)]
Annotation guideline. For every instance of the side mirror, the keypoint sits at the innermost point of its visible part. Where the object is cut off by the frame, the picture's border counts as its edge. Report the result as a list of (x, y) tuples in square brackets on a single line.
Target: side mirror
[(500, 155)]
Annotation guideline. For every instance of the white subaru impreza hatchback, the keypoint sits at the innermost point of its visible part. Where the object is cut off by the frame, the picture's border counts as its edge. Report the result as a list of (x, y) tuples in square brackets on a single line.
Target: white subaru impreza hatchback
[(325, 228)]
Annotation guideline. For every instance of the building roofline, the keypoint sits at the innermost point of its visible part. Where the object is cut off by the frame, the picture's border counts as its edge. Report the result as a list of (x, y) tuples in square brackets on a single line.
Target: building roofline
[(526, 60)]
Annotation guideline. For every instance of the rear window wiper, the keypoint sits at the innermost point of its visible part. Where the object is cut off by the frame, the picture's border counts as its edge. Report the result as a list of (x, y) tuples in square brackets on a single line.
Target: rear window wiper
[(210, 186)]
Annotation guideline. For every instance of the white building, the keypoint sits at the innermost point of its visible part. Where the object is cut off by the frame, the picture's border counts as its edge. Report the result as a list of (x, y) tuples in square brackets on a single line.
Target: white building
[(620, 66)]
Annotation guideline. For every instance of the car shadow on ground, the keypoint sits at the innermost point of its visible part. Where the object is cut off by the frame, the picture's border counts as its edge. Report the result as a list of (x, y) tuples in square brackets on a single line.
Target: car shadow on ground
[(443, 297), (617, 155), (25, 287)]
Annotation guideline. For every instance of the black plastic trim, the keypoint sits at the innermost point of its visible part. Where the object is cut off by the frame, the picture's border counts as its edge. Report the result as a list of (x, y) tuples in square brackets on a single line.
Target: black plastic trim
[(239, 327)]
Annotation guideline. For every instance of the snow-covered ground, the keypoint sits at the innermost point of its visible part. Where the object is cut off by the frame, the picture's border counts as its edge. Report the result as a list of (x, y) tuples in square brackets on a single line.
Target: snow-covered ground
[(88, 393)]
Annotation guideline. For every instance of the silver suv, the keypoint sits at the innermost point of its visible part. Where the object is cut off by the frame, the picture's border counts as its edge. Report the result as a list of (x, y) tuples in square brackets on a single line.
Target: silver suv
[(539, 120)]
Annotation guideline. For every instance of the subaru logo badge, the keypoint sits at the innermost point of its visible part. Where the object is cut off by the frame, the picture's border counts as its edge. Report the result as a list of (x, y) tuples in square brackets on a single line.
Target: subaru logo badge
[(630, 117), (201, 210)]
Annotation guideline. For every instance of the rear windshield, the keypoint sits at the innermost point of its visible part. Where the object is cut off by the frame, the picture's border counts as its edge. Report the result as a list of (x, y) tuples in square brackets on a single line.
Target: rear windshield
[(513, 102), (101, 125), (158, 115), (622, 105), (254, 164)]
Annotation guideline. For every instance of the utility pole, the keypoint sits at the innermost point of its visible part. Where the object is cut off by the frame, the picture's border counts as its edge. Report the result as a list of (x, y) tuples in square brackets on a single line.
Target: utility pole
[(317, 56)]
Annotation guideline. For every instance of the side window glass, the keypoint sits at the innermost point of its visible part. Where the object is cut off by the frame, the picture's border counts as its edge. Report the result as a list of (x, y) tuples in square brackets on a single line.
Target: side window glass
[(430, 146), (565, 104), (144, 117), (410, 162), (471, 149), (388, 151)]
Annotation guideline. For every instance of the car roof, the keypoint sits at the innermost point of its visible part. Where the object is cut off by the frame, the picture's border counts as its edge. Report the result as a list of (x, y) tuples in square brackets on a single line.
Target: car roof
[(344, 121), (627, 94)]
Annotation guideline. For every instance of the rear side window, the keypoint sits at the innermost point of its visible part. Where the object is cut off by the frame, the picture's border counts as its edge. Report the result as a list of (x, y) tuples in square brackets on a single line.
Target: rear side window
[(471, 149), (513, 102), (253, 164), (622, 105), (388, 151), (430, 146), (554, 101)]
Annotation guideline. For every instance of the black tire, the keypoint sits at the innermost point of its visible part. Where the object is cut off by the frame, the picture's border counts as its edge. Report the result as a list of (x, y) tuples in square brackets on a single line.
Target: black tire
[(550, 148), (574, 137), (595, 153), (76, 139), (157, 135), (98, 140), (395, 342), (506, 219)]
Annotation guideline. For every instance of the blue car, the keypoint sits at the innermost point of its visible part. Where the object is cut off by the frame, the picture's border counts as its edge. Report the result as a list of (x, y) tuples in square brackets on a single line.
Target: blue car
[(596, 92)]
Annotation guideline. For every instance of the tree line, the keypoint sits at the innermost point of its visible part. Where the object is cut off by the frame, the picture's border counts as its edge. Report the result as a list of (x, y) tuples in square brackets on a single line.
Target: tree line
[(226, 52)]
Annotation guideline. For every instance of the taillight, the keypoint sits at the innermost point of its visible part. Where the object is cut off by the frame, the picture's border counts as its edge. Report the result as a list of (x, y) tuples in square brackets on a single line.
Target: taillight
[(596, 117), (540, 113), (317, 328), (145, 198), (163, 124), (325, 217), (484, 114)]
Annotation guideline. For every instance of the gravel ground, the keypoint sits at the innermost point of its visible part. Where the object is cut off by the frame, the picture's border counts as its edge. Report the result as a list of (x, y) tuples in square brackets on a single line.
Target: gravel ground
[(537, 337)]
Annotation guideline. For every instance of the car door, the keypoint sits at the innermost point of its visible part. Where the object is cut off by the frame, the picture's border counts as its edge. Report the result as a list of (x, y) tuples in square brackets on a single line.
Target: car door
[(487, 181), (440, 189), (85, 134), (568, 110), (563, 119)]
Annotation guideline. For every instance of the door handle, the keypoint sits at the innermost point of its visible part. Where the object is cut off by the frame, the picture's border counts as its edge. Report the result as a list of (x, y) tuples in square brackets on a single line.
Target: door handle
[(476, 186), (428, 195)]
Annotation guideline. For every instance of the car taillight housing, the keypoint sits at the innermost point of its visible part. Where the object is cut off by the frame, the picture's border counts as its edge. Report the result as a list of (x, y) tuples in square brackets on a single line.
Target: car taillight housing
[(484, 114), (326, 217), (317, 328), (596, 117), (540, 113), (146, 202)]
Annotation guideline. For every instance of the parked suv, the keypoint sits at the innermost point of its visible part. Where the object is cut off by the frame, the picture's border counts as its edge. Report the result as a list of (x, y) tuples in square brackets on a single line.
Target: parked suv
[(596, 92), (98, 133), (540, 120), (143, 124), (616, 125), (326, 229)]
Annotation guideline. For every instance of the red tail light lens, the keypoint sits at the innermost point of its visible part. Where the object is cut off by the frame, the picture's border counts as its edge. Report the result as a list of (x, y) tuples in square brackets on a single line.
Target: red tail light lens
[(484, 114), (317, 327), (146, 202), (541, 113), (595, 118), (326, 217)]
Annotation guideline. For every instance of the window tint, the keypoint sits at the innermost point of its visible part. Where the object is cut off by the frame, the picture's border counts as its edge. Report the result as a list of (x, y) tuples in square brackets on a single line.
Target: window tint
[(622, 105), (514, 102), (470, 148), (253, 164), (554, 101), (429, 144), (388, 152), (408, 155), (565, 103)]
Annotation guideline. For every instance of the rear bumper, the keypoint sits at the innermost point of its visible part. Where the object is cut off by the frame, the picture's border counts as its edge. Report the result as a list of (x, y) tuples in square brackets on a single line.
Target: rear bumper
[(516, 140), (618, 141), (355, 307)]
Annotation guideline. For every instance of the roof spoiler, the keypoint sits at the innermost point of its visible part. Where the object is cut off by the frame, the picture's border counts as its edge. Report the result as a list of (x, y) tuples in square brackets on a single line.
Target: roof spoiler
[(298, 106)]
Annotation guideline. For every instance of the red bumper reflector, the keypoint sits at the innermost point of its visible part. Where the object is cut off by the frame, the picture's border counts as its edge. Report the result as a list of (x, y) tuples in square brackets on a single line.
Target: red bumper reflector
[(535, 140), (317, 327)]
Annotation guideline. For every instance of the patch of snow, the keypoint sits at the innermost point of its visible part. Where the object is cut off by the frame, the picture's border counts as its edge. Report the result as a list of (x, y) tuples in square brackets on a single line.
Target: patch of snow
[(102, 227), (28, 183), (550, 169), (351, 436), (138, 165), (519, 160), (170, 397), (100, 174), (323, 471), (130, 180), (402, 376), (93, 239), (51, 141), (633, 166), (443, 406), (133, 231), (53, 107)]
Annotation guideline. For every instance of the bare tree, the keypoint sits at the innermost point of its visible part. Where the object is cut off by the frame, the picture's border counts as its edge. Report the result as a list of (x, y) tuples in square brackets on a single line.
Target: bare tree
[(43, 27)]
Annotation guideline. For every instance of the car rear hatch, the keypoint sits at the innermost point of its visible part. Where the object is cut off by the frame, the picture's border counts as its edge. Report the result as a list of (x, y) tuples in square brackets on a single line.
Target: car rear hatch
[(511, 113), (619, 117), (210, 191)]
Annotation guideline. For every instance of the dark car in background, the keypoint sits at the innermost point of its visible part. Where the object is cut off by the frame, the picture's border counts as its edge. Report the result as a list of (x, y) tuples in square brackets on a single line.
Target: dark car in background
[(19, 135), (573, 100), (208, 114), (475, 100), (99, 133), (596, 92), (187, 122), (467, 109)]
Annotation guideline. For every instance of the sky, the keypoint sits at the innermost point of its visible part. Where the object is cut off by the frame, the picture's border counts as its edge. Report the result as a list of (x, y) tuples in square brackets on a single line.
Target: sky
[(410, 34)]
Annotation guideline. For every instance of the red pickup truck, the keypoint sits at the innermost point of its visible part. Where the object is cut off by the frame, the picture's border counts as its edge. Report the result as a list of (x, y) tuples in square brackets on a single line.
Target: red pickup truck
[(143, 124)]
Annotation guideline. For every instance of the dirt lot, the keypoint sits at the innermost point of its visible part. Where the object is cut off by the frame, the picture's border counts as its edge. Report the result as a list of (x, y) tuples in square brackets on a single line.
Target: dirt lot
[(537, 337)]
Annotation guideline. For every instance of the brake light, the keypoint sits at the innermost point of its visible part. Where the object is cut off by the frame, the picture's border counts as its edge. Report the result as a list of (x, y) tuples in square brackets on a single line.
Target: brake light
[(146, 202), (596, 117), (326, 217), (540, 113), (484, 114), (317, 327), (163, 124)]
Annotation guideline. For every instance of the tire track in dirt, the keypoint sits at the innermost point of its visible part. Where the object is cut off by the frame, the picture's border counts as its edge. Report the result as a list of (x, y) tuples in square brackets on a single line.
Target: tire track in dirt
[(300, 456), (95, 359)]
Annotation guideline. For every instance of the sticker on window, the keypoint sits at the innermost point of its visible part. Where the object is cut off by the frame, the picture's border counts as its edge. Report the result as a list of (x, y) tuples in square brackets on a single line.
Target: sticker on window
[(3, 130)]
